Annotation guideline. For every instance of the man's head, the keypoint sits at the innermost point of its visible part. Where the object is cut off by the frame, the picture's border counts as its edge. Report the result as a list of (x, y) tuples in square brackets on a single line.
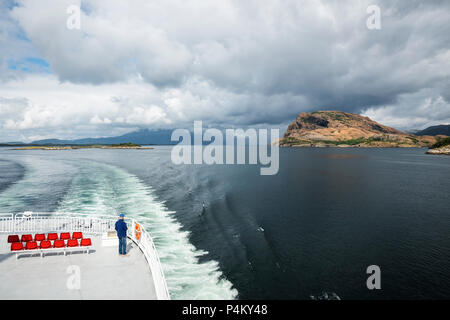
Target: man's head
[(122, 216)]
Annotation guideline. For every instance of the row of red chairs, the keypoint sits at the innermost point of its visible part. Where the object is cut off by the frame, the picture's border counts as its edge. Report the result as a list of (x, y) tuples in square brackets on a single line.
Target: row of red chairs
[(41, 237), (46, 244)]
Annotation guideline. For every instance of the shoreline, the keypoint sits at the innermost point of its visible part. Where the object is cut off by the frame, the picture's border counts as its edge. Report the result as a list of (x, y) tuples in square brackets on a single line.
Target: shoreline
[(440, 151), (351, 147), (80, 147)]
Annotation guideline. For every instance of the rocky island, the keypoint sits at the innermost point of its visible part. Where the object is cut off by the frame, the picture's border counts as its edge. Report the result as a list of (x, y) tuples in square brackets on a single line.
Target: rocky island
[(73, 147), (343, 129), (440, 147)]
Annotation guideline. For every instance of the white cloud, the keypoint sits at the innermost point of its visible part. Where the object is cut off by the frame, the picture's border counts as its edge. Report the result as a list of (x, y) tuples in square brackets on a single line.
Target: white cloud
[(167, 63), (410, 110), (44, 103)]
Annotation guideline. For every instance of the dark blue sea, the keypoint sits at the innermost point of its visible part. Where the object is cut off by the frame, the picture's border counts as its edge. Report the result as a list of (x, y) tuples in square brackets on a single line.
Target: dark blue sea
[(314, 227)]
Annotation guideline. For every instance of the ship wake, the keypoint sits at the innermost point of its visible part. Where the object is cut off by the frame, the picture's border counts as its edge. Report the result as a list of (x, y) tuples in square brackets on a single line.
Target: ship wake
[(99, 189)]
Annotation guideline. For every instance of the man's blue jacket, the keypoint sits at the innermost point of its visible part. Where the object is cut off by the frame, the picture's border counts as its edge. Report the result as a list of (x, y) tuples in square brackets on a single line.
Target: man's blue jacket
[(121, 228)]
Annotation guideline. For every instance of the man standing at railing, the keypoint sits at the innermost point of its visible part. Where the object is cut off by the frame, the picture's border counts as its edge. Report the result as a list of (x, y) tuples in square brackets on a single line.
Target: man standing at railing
[(121, 228)]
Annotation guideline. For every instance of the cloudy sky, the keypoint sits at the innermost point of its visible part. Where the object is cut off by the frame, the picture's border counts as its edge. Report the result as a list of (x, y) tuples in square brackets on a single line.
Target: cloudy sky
[(231, 63)]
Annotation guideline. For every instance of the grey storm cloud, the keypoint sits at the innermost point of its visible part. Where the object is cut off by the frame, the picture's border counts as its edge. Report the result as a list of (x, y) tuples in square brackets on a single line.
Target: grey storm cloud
[(227, 62)]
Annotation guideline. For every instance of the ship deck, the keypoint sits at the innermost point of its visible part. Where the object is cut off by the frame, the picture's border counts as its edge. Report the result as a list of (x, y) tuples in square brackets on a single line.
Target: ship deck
[(104, 274)]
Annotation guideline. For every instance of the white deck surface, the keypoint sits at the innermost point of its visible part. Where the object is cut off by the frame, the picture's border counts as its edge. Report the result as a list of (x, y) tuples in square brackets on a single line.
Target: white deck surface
[(103, 273)]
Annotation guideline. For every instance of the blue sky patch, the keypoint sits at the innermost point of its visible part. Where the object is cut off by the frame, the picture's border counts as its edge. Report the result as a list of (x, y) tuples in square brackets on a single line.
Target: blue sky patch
[(30, 64)]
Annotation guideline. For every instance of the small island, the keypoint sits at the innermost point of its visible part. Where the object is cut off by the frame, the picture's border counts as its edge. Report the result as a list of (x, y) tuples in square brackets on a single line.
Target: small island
[(440, 147), (347, 130), (88, 146)]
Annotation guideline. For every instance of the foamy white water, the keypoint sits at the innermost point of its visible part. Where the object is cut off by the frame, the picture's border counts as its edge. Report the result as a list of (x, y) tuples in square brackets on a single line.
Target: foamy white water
[(103, 189)]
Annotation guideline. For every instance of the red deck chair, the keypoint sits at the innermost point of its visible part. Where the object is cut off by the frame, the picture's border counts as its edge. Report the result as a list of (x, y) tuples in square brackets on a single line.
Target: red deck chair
[(27, 237), (52, 236), (72, 243), (65, 236), (77, 235), (31, 245), (16, 246), (86, 242), (39, 237), (45, 244), (59, 244), (13, 238)]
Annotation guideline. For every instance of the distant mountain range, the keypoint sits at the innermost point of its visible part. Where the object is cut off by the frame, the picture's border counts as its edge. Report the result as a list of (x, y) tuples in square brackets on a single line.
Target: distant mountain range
[(142, 137), (443, 129)]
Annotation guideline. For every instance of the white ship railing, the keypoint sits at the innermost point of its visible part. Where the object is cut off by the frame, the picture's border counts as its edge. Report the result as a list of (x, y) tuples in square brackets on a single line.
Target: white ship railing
[(69, 222)]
